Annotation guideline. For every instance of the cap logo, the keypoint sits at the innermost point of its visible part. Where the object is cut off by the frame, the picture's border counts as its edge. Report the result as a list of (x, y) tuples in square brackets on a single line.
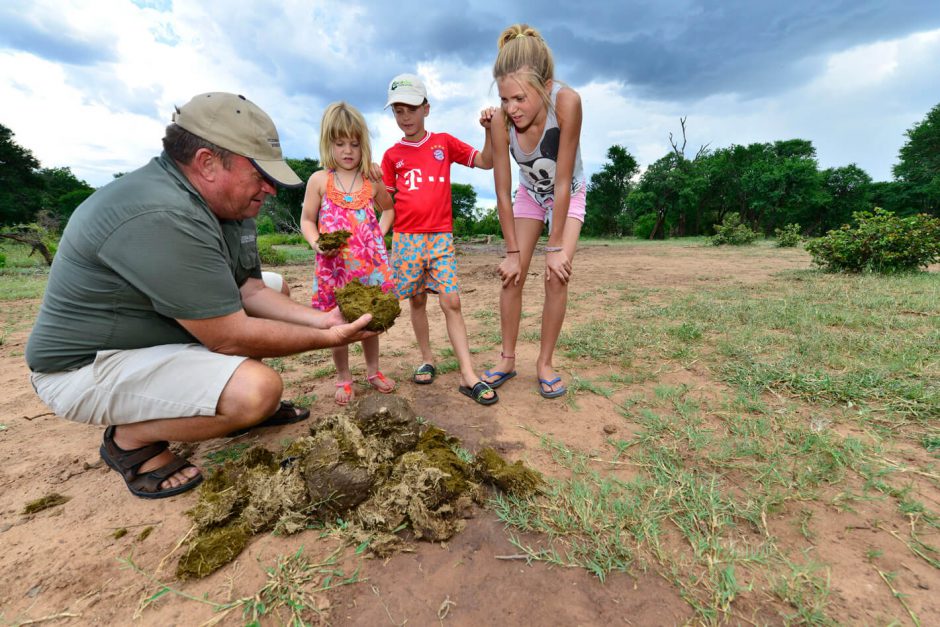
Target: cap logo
[(397, 84), (275, 143)]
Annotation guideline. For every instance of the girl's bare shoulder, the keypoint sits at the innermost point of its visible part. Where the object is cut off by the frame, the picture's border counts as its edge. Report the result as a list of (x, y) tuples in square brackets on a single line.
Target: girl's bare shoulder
[(317, 180), (568, 98)]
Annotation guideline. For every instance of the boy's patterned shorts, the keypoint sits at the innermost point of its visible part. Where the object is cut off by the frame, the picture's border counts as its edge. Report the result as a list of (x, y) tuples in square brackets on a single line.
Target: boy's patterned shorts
[(424, 262)]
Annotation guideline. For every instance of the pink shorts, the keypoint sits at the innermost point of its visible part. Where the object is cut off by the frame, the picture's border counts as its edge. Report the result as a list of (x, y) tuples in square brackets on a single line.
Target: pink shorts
[(526, 207)]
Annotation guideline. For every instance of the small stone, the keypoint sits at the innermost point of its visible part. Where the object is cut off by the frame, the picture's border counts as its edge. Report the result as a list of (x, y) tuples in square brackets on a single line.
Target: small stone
[(610, 429)]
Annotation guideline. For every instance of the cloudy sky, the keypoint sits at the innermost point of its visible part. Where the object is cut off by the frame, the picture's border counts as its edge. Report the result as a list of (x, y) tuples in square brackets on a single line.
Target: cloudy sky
[(90, 84)]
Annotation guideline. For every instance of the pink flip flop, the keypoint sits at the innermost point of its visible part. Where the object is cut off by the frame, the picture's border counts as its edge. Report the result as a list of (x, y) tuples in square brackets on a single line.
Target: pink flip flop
[(378, 376), (347, 388)]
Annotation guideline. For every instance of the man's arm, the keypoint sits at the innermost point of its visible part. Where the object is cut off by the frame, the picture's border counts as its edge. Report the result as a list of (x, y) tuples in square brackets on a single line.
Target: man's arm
[(241, 334), (261, 301)]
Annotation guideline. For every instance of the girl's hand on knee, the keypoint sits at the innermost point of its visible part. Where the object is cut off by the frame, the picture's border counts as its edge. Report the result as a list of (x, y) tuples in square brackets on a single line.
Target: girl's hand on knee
[(558, 265), (510, 270)]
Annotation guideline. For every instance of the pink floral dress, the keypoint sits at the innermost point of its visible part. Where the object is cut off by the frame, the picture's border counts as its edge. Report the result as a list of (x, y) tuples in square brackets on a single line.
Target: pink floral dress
[(364, 257)]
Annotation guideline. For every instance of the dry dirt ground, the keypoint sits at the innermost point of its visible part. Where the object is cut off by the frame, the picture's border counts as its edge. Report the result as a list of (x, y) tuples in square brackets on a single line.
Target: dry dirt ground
[(62, 565)]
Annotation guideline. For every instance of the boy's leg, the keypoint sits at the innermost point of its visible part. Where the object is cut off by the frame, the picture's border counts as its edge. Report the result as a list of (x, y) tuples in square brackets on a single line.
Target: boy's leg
[(553, 312), (409, 259), (457, 333), (443, 276), (419, 322)]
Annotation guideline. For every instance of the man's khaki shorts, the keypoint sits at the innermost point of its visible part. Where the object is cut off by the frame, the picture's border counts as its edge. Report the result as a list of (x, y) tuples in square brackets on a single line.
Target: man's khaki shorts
[(127, 386)]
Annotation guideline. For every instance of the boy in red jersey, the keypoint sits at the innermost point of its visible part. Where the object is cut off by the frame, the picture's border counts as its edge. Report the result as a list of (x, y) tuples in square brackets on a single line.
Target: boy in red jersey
[(417, 171)]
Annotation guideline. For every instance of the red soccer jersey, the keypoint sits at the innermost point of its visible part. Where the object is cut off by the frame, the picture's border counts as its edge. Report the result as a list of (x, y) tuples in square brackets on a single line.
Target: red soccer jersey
[(418, 173)]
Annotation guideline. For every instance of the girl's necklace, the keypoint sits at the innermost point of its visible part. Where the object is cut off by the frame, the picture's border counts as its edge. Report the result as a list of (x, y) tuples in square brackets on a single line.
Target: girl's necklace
[(347, 193)]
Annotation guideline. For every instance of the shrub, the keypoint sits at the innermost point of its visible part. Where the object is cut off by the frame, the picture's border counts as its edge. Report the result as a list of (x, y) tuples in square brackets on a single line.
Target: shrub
[(281, 239), (3, 260), (732, 232), (270, 256), (265, 225), (789, 236), (643, 225), (879, 242)]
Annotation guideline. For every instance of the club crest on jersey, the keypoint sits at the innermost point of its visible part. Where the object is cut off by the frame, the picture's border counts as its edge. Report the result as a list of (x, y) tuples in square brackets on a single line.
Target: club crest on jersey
[(438, 152)]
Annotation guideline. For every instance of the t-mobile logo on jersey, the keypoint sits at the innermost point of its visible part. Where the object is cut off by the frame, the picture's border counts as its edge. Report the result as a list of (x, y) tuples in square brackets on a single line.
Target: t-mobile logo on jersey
[(413, 178)]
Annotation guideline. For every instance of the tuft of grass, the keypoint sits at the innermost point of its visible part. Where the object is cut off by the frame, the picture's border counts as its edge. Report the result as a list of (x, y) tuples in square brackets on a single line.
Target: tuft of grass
[(229, 453)]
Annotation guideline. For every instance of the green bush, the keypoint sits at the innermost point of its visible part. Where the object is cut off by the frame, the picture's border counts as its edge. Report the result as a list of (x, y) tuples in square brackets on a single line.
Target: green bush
[(281, 239), (270, 256), (265, 225), (879, 242), (789, 236), (732, 232), (3, 260), (643, 225)]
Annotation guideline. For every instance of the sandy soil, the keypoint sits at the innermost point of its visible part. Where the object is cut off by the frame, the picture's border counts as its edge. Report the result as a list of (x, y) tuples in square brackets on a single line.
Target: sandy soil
[(63, 564)]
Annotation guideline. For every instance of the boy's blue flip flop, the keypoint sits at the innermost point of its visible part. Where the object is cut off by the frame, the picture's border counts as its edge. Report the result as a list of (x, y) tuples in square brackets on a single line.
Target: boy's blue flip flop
[(550, 393), (501, 377)]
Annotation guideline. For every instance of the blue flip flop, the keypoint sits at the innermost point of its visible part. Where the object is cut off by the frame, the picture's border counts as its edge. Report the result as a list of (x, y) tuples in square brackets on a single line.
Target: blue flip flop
[(551, 393), (501, 377)]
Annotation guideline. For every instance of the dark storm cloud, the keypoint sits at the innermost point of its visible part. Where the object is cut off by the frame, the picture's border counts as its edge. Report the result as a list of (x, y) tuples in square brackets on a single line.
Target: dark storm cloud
[(676, 50), (743, 47), (50, 40)]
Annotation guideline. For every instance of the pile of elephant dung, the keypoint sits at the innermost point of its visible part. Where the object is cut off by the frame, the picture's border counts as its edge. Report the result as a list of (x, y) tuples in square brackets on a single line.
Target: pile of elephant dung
[(355, 299), (376, 469), (334, 240)]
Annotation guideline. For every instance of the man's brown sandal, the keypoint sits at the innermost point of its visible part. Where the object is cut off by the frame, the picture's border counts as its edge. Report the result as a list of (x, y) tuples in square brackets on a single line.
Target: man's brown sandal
[(145, 485)]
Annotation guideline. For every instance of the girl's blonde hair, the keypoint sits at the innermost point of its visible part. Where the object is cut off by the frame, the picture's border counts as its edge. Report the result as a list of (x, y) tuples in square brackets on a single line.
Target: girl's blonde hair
[(343, 121), (523, 52)]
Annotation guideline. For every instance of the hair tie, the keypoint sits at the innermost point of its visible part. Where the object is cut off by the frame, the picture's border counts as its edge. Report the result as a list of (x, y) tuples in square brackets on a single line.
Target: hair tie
[(518, 35)]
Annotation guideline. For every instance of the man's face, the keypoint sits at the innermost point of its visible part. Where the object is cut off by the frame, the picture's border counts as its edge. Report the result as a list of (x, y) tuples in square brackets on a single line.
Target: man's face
[(239, 190), (410, 119)]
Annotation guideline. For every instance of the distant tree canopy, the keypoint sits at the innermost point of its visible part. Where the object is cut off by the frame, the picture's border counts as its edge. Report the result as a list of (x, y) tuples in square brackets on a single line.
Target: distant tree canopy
[(26, 189), (607, 194), (20, 185), (918, 167), (284, 208), (768, 185)]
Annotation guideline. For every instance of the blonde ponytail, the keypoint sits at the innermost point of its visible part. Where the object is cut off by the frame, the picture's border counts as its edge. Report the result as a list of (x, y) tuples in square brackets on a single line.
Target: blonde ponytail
[(523, 52)]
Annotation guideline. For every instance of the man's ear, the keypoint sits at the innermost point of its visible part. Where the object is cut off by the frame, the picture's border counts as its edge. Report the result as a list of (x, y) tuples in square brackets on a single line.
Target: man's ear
[(427, 109), (206, 163)]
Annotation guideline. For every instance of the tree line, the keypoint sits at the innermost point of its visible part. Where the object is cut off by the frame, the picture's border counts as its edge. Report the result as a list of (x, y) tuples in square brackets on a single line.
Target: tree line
[(768, 185)]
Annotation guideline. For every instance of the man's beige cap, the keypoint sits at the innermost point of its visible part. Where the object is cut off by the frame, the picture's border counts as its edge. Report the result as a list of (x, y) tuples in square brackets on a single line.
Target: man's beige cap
[(235, 123), (407, 89)]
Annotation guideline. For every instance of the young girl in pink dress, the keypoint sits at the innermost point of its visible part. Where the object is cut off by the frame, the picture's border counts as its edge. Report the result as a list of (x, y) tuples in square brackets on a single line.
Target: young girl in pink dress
[(342, 198)]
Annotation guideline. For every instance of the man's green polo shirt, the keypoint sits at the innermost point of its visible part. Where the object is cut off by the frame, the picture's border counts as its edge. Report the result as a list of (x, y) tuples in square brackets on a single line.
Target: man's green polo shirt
[(141, 252)]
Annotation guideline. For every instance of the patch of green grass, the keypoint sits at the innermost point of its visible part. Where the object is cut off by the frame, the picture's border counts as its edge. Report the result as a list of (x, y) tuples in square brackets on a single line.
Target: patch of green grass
[(277, 364), (305, 400), (229, 453), (18, 283), (576, 384), (323, 371), (486, 315)]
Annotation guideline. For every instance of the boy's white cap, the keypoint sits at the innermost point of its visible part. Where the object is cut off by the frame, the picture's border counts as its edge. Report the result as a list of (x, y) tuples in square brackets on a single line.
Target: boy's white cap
[(407, 89)]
